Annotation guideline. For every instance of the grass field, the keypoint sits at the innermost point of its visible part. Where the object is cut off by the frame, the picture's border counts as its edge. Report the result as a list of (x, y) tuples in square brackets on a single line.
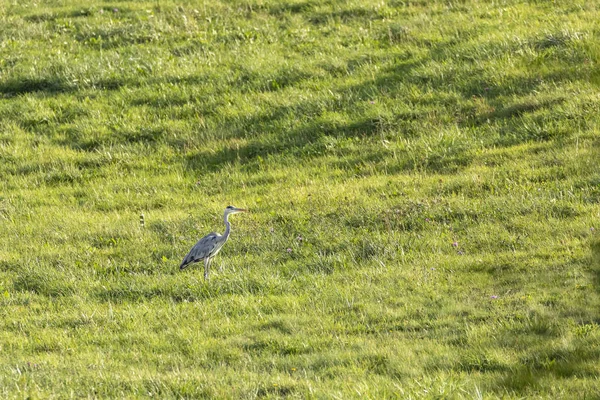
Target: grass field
[(423, 177)]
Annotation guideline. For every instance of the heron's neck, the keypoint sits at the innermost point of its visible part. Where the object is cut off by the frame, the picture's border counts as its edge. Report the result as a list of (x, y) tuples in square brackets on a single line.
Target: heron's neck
[(227, 225)]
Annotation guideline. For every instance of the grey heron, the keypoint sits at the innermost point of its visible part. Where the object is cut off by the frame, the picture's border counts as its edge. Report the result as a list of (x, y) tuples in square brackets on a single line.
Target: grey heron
[(209, 245)]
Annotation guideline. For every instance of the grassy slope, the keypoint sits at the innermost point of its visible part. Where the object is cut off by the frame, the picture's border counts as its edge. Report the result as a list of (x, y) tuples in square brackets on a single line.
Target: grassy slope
[(431, 156)]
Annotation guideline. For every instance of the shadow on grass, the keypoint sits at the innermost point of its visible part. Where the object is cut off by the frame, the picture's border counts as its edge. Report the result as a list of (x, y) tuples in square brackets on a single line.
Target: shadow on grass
[(61, 14), (54, 85), (18, 86), (45, 282), (553, 363), (595, 263), (316, 120), (517, 109), (296, 129), (552, 359), (195, 289)]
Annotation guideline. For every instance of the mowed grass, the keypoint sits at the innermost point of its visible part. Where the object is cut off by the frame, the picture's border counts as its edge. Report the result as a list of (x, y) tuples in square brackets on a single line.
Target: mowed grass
[(423, 177)]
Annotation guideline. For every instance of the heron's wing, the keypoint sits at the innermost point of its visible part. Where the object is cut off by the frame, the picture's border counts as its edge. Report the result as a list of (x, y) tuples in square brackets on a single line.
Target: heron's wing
[(201, 250)]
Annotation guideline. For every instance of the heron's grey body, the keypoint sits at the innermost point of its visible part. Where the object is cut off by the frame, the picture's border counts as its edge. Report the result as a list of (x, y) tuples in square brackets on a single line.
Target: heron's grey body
[(209, 245)]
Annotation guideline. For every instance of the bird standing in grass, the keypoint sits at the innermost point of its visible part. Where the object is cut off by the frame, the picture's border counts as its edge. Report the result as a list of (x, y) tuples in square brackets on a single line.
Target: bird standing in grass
[(209, 245)]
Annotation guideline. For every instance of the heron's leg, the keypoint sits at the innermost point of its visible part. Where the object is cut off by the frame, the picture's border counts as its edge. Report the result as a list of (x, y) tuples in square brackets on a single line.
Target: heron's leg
[(221, 266), (206, 265)]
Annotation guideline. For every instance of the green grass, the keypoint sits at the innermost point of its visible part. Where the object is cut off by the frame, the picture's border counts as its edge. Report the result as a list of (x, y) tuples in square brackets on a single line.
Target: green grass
[(432, 167)]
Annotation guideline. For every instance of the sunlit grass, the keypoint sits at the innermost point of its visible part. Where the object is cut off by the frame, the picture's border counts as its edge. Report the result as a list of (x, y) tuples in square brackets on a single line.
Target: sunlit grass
[(423, 179)]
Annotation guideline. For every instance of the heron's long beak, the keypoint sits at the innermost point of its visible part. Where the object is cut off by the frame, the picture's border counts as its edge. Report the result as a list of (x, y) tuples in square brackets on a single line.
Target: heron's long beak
[(241, 210)]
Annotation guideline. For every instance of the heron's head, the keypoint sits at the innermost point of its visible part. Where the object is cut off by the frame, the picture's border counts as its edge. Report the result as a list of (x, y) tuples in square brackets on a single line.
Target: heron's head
[(234, 210)]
